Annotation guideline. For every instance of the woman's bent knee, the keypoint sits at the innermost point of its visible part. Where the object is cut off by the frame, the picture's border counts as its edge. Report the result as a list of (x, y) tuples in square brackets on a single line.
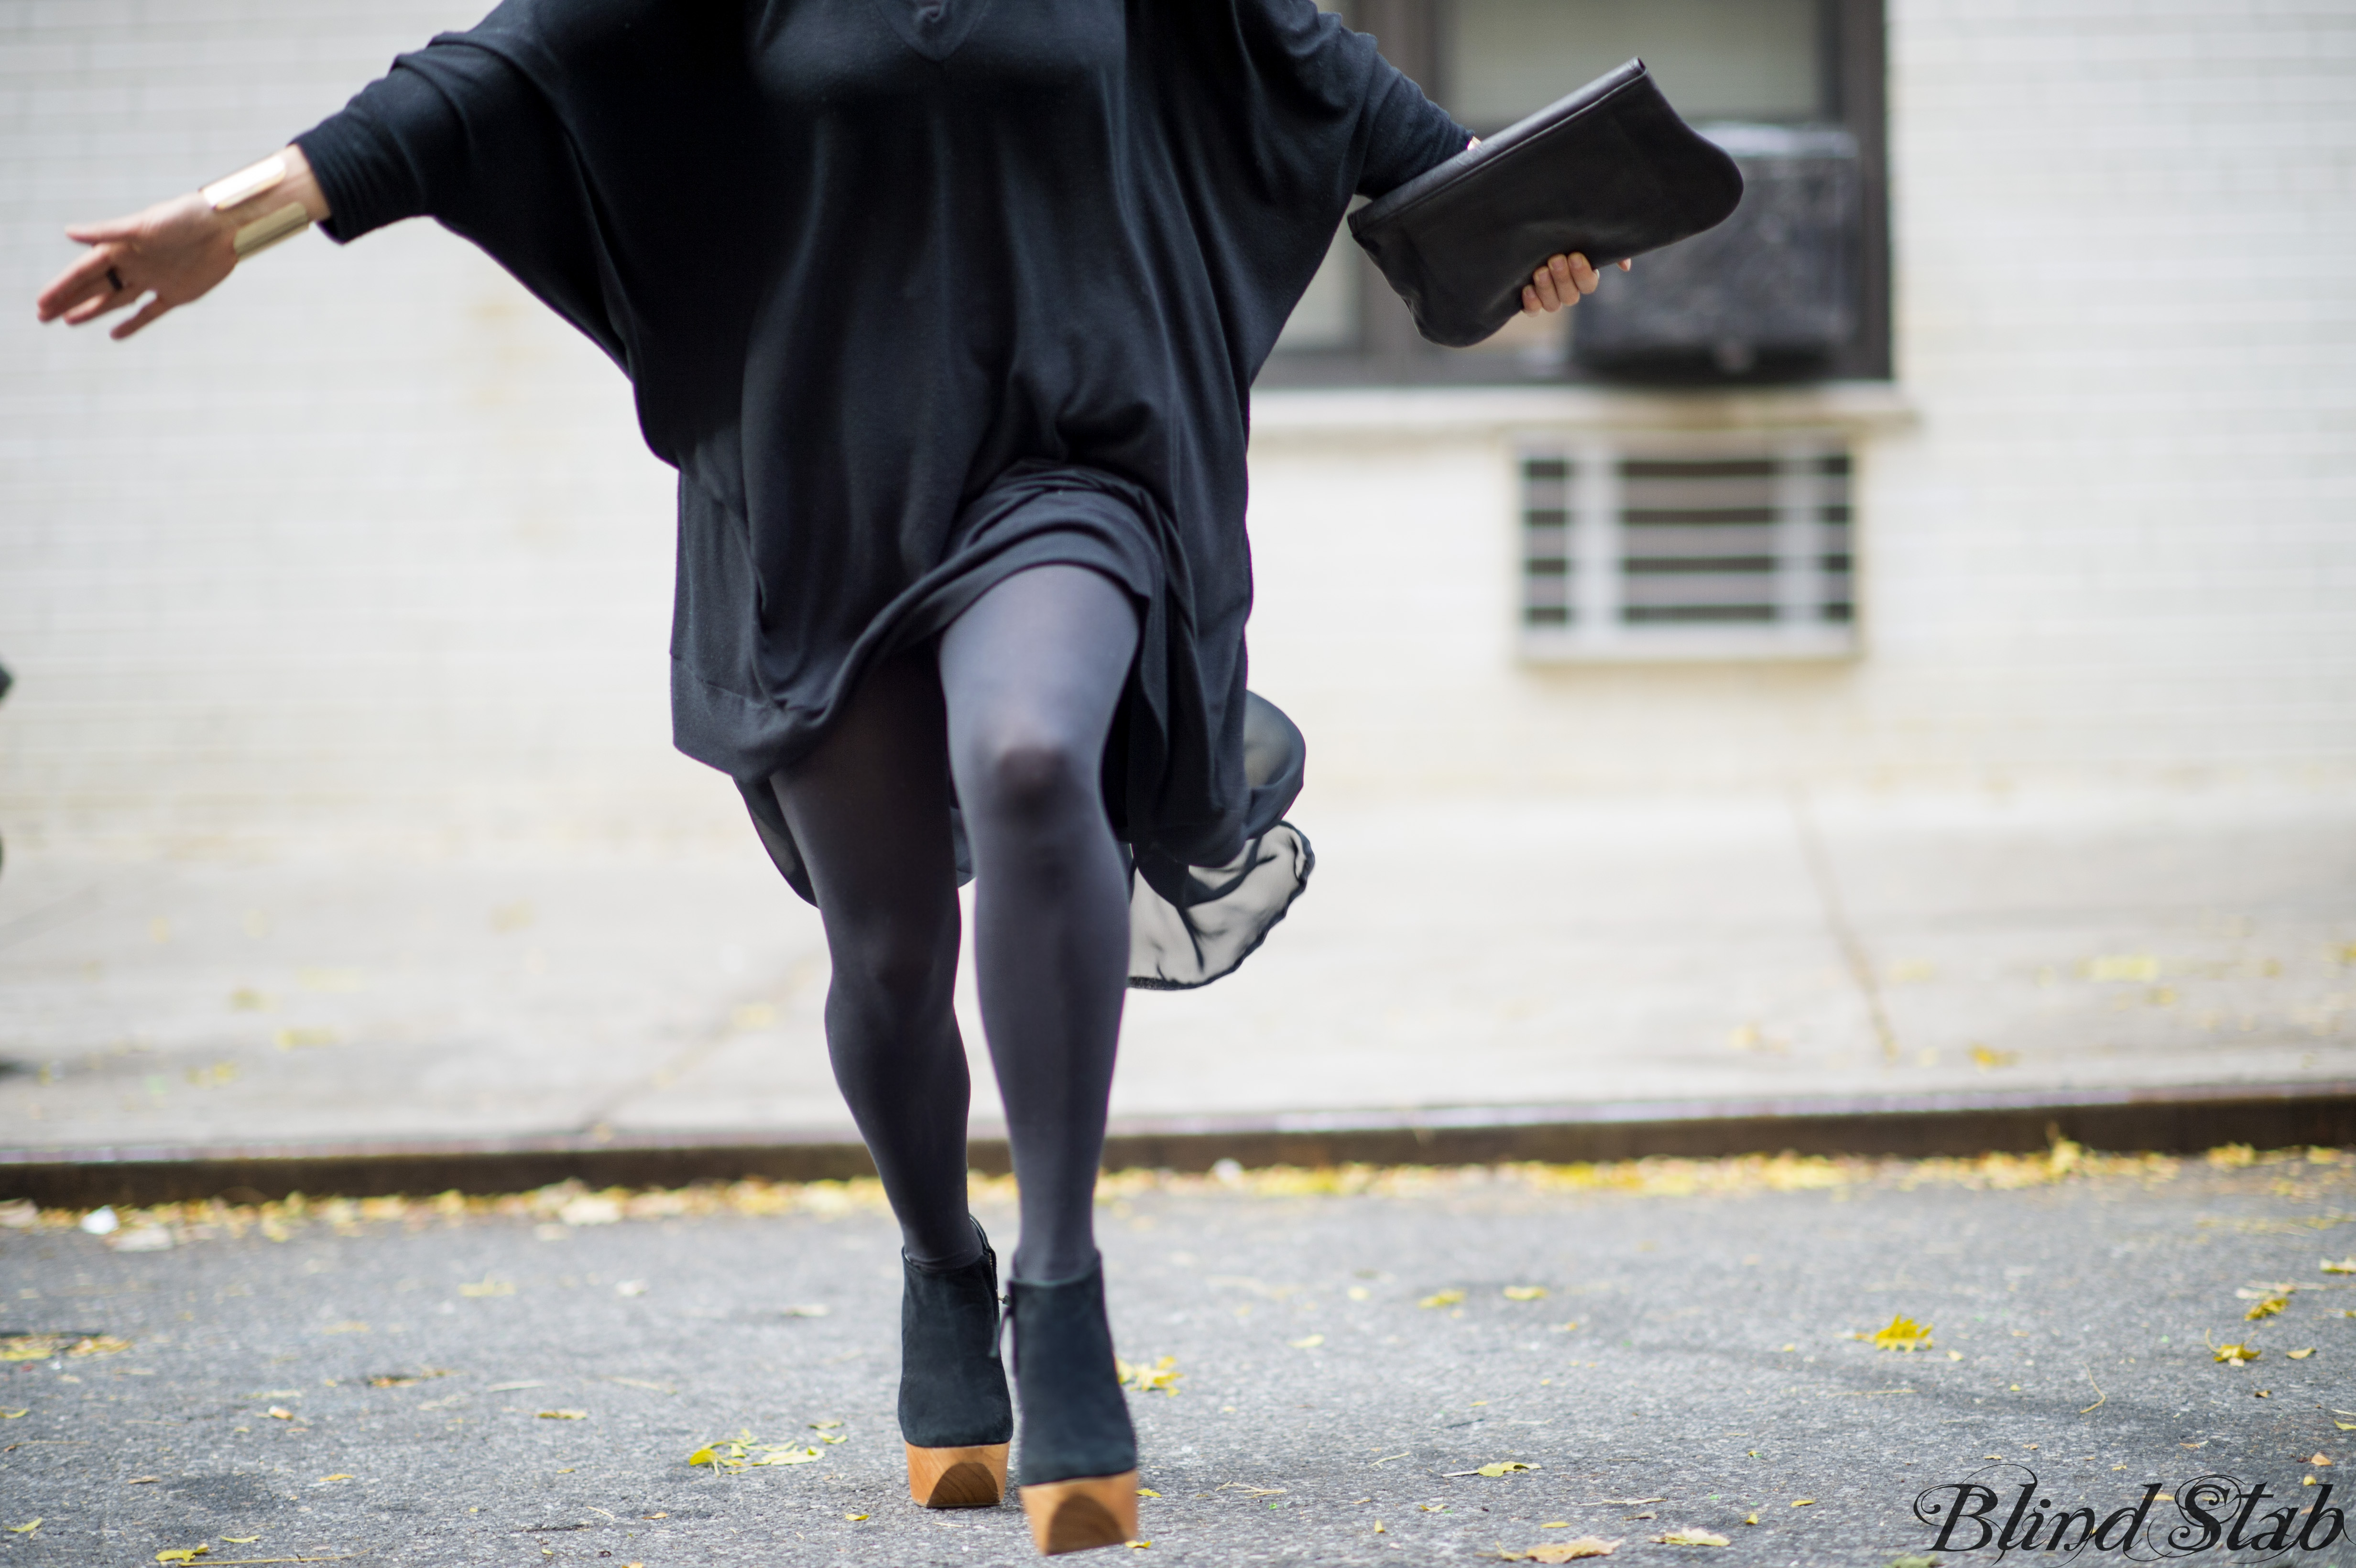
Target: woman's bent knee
[(1025, 775)]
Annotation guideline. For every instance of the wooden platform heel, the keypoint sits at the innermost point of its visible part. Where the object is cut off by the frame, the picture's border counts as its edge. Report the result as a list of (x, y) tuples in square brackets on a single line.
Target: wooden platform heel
[(1079, 1469), (1082, 1515), (955, 1415), (958, 1478)]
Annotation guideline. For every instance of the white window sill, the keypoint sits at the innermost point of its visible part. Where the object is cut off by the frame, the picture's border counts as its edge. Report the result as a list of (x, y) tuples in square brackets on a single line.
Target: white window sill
[(1318, 415)]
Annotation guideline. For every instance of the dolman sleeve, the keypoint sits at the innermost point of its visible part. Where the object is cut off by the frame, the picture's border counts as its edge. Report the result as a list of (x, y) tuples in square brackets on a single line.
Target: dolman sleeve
[(458, 132)]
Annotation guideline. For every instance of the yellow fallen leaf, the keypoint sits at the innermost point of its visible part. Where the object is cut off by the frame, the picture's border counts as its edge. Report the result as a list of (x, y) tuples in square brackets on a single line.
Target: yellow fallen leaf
[(184, 1554), (1503, 1468), (854, 1518), (1571, 1551), (1691, 1538), (240, 1540), (143, 1480), (2345, 1265), (2300, 1355), (2321, 1461), (563, 1415), (1442, 1298), (1161, 1377), (1903, 1334), (1988, 1061), (1569, 1327), (1803, 1502), (1137, 1545), (1750, 1519), (1378, 1528), (26, 1528), (1526, 1292), (704, 1456), (13, 1415), (278, 1412), (1147, 1492), (1310, 1343), (2237, 1355), (2266, 1307), (338, 1475), (2345, 1425)]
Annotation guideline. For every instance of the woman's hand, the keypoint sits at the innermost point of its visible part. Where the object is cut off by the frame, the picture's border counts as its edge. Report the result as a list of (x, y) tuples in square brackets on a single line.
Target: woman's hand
[(171, 254), (1559, 282)]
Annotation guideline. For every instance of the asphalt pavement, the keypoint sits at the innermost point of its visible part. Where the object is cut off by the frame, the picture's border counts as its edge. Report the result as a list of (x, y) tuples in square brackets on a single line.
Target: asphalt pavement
[(1359, 1368)]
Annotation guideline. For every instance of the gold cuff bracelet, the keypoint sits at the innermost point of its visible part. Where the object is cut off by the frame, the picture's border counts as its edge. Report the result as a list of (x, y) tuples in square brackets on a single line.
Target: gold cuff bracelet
[(254, 180)]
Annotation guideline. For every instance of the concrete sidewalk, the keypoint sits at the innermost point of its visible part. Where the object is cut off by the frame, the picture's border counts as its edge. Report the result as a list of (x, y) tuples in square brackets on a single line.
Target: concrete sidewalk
[(1485, 953)]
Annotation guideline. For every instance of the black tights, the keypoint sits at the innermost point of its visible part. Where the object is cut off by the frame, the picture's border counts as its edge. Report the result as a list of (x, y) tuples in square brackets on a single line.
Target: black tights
[(1015, 705)]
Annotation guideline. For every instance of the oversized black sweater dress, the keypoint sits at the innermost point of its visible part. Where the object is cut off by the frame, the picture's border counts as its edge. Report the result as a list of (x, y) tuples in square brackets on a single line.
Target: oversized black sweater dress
[(915, 294)]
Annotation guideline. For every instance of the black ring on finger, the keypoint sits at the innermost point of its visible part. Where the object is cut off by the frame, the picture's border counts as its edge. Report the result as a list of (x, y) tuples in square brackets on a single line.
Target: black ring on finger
[(115, 279)]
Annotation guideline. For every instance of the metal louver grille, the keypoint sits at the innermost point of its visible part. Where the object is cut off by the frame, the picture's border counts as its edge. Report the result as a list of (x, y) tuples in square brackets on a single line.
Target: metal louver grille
[(1708, 552)]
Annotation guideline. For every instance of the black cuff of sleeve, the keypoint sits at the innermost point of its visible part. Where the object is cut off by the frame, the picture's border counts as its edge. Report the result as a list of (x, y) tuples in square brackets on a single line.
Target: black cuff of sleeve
[(367, 182)]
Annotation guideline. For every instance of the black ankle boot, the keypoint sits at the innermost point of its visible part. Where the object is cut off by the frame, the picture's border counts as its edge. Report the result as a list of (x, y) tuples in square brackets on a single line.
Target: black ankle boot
[(954, 1412), (1074, 1418), (1079, 1452)]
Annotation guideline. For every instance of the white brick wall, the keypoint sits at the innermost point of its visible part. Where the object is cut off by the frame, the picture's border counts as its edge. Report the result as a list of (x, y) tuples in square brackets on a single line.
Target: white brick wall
[(362, 548), (365, 547), (2118, 542)]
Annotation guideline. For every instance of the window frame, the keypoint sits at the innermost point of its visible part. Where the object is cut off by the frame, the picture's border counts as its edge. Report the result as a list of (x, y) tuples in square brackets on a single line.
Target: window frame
[(1852, 39)]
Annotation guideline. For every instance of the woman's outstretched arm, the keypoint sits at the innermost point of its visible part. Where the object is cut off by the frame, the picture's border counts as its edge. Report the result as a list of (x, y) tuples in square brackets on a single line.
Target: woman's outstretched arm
[(177, 251)]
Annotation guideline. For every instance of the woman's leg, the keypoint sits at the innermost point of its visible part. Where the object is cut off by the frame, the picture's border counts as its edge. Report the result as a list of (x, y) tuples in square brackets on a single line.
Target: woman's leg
[(870, 811), (1032, 674)]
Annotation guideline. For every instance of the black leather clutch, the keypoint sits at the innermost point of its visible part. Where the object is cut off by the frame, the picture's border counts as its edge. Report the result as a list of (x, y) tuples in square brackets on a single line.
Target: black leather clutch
[(1609, 171)]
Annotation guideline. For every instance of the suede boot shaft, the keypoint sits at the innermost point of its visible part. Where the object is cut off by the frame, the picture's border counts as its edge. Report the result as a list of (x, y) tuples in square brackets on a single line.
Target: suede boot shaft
[(1075, 1417), (952, 1383)]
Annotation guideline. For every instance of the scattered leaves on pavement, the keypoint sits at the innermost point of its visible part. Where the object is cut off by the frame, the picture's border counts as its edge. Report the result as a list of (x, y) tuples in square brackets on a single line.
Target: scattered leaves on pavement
[(1442, 1298), (2237, 1355), (1691, 1538), (42, 1347), (1161, 1377), (745, 1452), (1903, 1334), (1526, 1293)]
